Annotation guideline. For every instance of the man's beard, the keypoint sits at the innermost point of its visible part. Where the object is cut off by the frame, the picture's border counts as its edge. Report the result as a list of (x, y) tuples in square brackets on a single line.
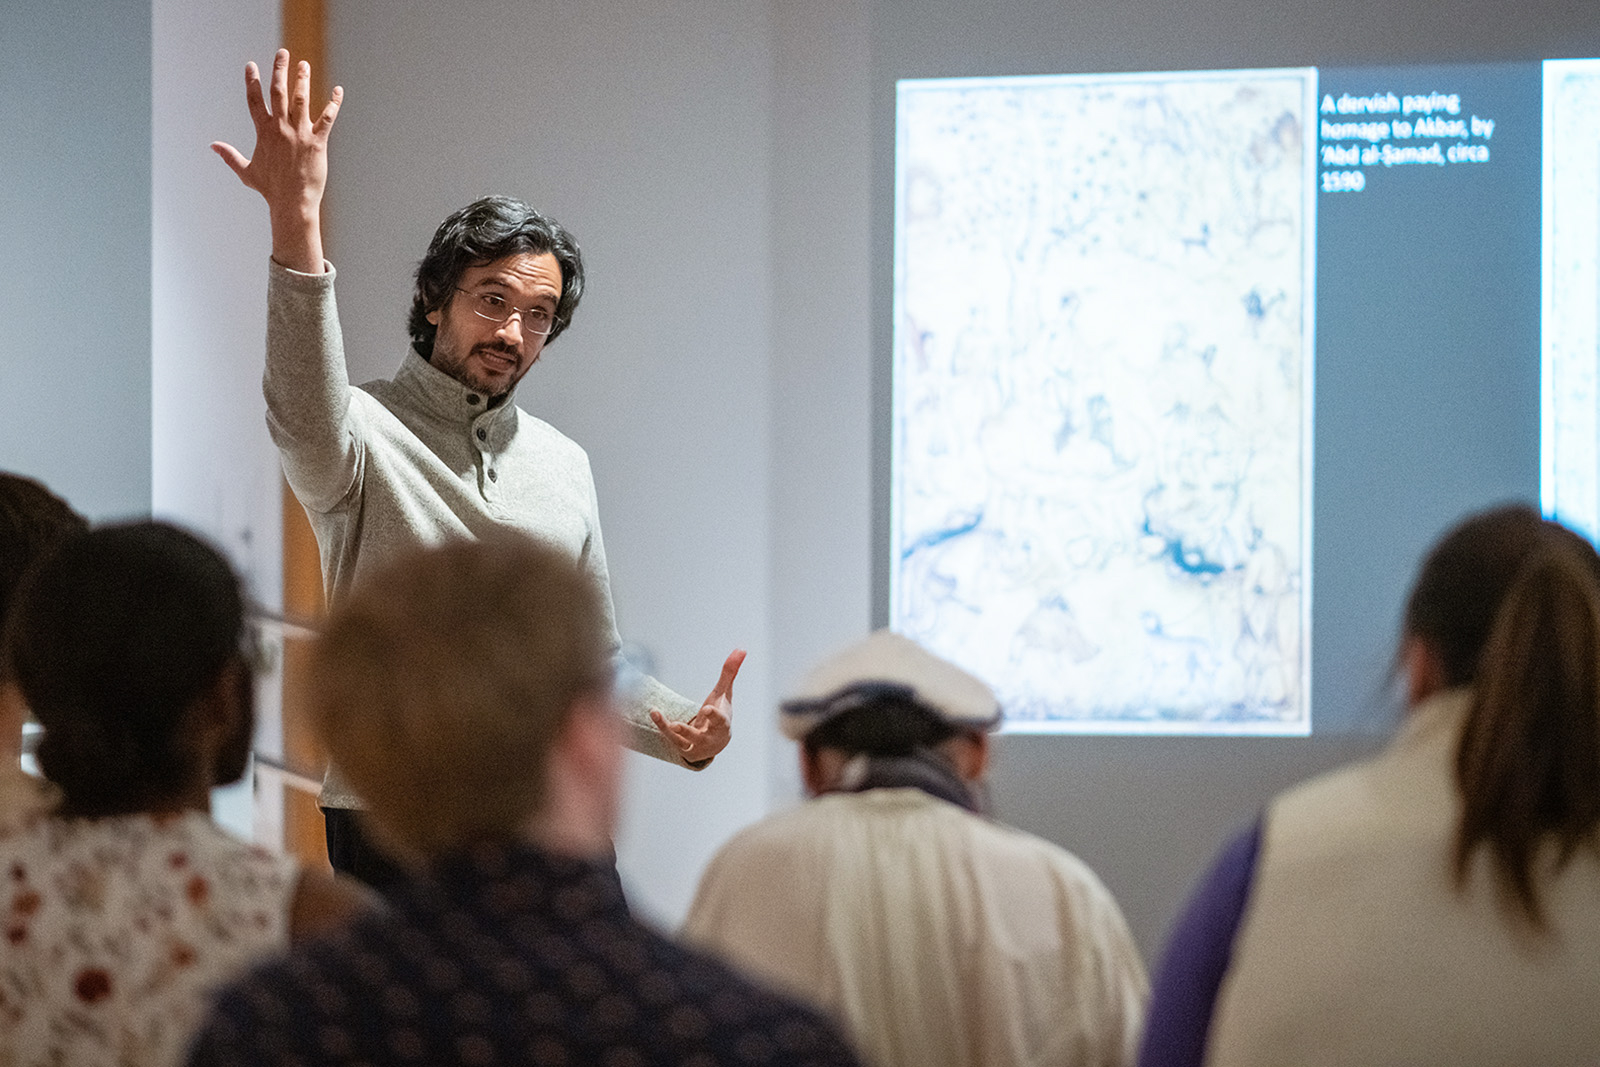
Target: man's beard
[(463, 372)]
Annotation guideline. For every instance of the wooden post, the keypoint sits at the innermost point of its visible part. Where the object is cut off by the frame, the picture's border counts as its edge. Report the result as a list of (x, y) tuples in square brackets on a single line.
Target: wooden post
[(304, 34)]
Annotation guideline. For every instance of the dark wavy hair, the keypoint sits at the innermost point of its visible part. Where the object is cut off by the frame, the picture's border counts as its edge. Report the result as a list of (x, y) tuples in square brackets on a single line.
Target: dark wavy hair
[(1510, 603), (111, 639), (482, 232)]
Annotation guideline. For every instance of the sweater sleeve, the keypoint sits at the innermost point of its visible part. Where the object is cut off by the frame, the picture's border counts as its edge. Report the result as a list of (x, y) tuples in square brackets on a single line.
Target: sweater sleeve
[(1196, 960), (308, 389)]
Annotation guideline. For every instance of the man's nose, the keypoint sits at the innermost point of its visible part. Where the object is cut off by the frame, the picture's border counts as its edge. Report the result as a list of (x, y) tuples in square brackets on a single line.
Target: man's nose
[(510, 331)]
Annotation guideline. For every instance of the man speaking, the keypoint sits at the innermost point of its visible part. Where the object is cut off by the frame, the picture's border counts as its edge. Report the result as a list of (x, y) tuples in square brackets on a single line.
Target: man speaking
[(440, 451)]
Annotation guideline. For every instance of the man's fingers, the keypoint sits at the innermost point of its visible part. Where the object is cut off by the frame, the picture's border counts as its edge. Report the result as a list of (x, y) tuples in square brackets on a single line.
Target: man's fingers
[(300, 99), (730, 671), (252, 94), (232, 157), (329, 113), (280, 83), (673, 731)]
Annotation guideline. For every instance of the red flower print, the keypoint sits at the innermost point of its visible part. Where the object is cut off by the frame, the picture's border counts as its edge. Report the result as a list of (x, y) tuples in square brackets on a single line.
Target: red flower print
[(17, 933), (26, 902), (199, 891), (182, 955), (93, 985), (18, 872), (177, 860)]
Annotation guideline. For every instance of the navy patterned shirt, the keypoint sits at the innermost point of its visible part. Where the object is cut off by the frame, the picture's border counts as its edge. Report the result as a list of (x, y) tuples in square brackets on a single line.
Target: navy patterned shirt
[(508, 954)]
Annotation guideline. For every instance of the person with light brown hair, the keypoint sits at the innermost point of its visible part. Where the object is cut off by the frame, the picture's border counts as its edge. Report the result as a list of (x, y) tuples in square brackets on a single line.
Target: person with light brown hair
[(509, 941), (1441, 902)]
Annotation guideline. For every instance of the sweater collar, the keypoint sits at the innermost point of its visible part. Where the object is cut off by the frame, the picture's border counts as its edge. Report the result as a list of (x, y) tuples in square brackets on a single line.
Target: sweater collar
[(443, 396)]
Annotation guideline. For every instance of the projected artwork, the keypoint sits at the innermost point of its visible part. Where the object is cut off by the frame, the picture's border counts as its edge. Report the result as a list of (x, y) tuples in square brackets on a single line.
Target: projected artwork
[(1103, 305), (1571, 313)]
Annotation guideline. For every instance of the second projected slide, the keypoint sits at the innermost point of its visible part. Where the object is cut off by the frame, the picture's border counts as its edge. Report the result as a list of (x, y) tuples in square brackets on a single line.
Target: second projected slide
[(1102, 412)]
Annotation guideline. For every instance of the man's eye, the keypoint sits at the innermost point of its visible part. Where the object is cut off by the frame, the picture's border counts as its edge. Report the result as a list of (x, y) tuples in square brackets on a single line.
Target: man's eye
[(492, 302), (539, 317)]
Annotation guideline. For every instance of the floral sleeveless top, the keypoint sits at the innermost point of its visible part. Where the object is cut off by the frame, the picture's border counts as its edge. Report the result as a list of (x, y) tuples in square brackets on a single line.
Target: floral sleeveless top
[(115, 933)]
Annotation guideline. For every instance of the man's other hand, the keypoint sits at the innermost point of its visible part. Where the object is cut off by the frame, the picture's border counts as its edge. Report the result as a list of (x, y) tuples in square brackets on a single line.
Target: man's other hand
[(710, 730)]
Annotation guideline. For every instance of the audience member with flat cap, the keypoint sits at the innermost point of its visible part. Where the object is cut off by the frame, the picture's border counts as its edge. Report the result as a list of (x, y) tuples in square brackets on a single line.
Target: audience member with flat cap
[(126, 905), (510, 942), (32, 520), (935, 935)]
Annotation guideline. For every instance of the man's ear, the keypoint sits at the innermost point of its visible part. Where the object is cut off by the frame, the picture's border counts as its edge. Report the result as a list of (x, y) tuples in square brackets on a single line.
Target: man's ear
[(820, 770), (970, 753), (594, 733), (433, 316), (811, 771), (583, 782)]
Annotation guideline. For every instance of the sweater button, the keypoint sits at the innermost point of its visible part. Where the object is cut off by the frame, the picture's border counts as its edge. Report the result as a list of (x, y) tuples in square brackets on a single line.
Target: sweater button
[(472, 398), (482, 436), (493, 477)]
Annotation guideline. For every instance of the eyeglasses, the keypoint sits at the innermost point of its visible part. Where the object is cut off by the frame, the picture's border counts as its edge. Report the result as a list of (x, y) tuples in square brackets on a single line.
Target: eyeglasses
[(493, 306)]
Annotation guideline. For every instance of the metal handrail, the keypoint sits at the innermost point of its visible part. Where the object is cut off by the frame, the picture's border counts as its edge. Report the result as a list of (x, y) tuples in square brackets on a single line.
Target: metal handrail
[(289, 776)]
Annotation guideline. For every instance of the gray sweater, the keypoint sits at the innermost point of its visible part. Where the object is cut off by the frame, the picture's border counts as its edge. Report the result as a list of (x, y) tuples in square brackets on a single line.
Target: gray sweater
[(422, 459)]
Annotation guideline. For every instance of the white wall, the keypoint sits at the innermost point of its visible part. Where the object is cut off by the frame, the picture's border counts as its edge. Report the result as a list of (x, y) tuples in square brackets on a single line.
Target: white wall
[(213, 469), (821, 366), (646, 130), (75, 238)]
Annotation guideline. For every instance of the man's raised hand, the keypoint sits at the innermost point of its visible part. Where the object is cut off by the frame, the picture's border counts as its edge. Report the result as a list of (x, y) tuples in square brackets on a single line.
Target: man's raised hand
[(710, 730), (290, 165)]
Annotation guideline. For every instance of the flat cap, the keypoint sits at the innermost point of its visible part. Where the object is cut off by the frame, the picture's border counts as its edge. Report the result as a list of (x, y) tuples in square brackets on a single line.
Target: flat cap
[(887, 663)]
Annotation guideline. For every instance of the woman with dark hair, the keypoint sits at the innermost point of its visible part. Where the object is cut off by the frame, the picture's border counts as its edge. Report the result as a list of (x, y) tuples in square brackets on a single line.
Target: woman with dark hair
[(125, 906), (1441, 902)]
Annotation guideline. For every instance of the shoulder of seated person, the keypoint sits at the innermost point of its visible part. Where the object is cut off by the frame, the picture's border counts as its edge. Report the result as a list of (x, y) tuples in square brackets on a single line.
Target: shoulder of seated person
[(324, 901)]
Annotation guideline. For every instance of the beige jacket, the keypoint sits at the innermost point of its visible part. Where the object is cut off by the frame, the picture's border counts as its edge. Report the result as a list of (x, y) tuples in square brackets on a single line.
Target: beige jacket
[(935, 937), (1356, 948)]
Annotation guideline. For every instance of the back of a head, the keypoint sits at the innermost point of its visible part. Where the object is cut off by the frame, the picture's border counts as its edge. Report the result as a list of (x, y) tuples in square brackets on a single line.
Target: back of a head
[(442, 682), (1510, 604), (32, 520), (886, 724), (111, 639), (886, 695)]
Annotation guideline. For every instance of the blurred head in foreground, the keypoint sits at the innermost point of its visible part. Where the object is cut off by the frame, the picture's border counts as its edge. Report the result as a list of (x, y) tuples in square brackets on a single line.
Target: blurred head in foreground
[(126, 643), (1508, 603), (465, 691), (32, 520), (886, 711)]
